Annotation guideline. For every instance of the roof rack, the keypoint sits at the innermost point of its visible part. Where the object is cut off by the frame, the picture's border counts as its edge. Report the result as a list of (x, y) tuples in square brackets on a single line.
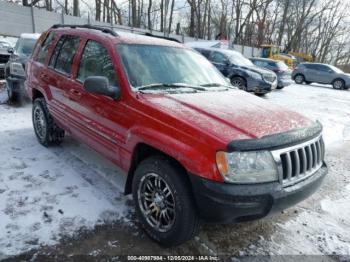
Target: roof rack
[(102, 29), (164, 37)]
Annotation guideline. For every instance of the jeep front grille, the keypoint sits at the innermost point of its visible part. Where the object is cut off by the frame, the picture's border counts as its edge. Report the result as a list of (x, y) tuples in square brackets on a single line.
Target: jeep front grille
[(299, 162)]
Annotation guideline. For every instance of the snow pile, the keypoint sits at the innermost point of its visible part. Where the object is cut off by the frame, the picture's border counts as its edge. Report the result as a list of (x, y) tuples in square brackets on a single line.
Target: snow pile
[(46, 194), (331, 107)]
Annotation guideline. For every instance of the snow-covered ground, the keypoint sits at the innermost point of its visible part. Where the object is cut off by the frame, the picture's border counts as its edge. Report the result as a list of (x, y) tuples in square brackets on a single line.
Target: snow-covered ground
[(49, 194)]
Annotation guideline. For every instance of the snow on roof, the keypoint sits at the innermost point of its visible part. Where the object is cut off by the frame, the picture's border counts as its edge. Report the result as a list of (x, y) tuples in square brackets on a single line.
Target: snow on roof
[(204, 44), (31, 36)]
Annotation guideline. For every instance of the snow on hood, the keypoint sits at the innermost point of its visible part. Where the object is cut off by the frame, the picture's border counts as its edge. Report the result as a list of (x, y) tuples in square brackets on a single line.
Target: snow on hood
[(228, 115)]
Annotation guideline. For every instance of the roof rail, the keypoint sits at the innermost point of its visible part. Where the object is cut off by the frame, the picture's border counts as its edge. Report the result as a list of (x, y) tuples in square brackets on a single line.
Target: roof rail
[(102, 29), (164, 37)]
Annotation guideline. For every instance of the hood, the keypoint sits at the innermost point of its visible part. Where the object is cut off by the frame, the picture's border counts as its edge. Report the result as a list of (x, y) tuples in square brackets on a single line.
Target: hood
[(259, 70), (227, 115)]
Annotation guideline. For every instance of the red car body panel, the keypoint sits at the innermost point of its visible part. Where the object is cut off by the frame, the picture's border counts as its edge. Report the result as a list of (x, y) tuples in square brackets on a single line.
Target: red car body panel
[(191, 128)]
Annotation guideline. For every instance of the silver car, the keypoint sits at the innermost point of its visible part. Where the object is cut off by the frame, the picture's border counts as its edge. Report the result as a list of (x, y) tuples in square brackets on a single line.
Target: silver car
[(322, 74)]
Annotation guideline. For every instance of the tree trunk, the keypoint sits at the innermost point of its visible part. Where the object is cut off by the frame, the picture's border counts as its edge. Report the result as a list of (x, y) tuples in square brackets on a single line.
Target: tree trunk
[(161, 15), (149, 22), (171, 15), (75, 7)]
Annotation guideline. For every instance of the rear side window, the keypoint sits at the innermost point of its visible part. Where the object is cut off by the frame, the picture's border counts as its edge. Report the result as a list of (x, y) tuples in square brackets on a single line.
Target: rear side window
[(206, 53), (44, 48), (63, 55), (96, 61), (217, 57)]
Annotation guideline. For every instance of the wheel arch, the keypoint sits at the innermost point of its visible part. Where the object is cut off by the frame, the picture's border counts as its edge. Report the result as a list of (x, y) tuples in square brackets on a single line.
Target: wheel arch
[(140, 153)]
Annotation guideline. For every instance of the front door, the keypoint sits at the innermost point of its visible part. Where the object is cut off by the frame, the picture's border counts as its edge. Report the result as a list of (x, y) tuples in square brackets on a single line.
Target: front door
[(99, 115)]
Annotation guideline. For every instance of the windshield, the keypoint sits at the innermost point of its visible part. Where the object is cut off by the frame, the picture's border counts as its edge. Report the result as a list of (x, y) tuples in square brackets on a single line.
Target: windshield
[(153, 65), (336, 69), (24, 46), (238, 59)]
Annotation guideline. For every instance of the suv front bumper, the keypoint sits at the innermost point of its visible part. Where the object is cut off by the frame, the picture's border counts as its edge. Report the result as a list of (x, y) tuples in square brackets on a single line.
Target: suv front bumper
[(230, 203)]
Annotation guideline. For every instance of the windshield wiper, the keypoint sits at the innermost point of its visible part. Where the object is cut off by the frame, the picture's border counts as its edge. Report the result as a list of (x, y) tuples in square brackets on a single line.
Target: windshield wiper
[(172, 85), (217, 85)]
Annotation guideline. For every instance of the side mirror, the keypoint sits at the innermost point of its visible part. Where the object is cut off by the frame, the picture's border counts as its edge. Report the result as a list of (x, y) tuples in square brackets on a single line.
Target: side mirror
[(227, 62), (100, 85), (10, 50)]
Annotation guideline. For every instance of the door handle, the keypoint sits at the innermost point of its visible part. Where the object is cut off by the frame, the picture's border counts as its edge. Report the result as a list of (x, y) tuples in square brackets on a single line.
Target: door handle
[(74, 94)]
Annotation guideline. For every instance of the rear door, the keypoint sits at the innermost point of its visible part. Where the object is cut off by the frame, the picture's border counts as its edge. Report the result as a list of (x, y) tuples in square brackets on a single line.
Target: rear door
[(311, 72), (57, 76)]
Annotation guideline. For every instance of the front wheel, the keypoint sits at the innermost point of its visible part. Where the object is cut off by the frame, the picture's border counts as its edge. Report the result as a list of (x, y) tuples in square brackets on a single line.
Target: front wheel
[(338, 84), (239, 82), (164, 202), (46, 131)]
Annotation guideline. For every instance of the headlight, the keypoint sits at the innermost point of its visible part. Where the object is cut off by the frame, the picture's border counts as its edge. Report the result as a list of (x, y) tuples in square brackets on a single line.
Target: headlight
[(254, 75), (17, 69), (247, 167)]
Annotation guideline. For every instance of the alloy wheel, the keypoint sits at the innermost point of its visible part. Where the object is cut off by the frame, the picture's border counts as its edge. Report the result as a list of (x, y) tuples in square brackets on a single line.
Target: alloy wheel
[(157, 202), (338, 84), (39, 122)]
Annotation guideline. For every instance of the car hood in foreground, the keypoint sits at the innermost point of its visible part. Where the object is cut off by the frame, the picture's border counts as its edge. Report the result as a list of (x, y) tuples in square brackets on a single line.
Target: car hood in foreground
[(227, 115)]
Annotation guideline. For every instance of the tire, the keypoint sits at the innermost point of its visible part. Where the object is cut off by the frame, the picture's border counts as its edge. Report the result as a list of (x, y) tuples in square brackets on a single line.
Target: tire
[(338, 84), (182, 221), (46, 131), (280, 87), (299, 79), (13, 97), (239, 82)]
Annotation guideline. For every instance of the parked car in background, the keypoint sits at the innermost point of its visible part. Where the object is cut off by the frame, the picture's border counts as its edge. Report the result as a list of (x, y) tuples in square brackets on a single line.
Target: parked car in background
[(321, 73), (4, 57), (240, 70), (15, 67), (284, 74), (191, 146)]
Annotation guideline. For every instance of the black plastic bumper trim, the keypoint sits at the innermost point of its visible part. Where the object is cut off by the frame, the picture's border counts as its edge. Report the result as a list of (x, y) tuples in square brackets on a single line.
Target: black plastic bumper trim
[(231, 203), (276, 141)]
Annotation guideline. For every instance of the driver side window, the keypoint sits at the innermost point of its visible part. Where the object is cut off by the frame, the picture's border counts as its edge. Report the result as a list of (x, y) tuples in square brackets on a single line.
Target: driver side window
[(96, 61)]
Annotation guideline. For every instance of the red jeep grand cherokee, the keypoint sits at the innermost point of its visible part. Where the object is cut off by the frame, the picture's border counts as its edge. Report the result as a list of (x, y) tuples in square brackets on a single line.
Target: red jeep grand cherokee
[(192, 146)]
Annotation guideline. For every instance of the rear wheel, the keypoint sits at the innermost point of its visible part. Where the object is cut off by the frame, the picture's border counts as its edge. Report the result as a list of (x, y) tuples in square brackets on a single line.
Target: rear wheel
[(46, 131), (299, 79), (338, 84), (239, 82), (164, 202)]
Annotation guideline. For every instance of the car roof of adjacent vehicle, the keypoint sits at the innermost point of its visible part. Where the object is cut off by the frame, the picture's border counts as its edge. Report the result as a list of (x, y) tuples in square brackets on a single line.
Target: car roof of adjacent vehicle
[(264, 59), (29, 36), (118, 36)]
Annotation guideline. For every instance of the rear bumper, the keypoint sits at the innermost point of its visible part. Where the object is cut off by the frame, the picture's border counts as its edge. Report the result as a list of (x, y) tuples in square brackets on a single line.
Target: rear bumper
[(231, 203)]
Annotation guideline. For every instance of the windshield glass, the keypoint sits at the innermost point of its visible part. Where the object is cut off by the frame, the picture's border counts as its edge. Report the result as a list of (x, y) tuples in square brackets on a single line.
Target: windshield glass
[(238, 59), (24, 46), (336, 69), (148, 65)]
